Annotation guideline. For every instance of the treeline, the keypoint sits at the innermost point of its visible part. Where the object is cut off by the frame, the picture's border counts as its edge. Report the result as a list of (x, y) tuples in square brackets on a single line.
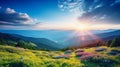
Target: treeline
[(6, 39), (109, 43), (20, 43), (113, 43)]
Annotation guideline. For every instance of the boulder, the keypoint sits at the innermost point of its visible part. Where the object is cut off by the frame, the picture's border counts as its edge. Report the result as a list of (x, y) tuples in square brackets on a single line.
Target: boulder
[(61, 56), (79, 50), (82, 53), (88, 56), (114, 52), (68, 51), (50, 54), (100, 49), (118, 54)]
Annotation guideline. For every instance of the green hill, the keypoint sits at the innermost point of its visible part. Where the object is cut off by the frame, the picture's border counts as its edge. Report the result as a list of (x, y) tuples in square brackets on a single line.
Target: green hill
[(28, 42), (20, 57)]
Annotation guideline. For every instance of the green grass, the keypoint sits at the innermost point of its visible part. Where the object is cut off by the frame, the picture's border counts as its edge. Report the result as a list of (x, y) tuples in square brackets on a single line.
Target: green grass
[(19, 57)]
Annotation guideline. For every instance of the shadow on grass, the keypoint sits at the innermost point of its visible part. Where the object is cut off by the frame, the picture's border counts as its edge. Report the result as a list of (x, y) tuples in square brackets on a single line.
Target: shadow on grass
[(101, 62), (15, 64)]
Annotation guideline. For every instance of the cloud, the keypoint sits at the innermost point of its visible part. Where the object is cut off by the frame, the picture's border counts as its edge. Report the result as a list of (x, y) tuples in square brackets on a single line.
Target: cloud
[(9, 10), (71, 5), (94, 11), (9, 16), (108, 13)]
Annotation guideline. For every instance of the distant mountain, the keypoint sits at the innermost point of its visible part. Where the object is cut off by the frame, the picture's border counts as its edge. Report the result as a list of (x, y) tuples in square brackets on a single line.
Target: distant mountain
[(78, 40), (58, 36), (109, 35), (40, 42), (54, 35), (56, 39)]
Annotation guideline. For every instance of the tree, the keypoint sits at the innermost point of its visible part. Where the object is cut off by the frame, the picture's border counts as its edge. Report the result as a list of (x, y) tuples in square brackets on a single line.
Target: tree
[(115, 42), (11, 43), (107, 43), (25, 44), (2, 41)]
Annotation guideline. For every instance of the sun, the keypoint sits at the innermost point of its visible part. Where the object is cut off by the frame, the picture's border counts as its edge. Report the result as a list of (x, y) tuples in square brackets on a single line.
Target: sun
[(81, 27), (82, 31)]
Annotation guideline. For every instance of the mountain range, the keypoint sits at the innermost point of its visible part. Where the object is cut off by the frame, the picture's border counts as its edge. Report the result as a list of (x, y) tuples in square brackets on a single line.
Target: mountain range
[(93, 38), (44, 43), (41, 43)]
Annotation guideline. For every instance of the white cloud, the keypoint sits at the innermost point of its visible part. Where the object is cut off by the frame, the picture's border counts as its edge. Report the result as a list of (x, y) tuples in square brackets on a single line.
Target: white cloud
[(100, 5), (103, 17), (9, 10), (74, 6), (11, 17)]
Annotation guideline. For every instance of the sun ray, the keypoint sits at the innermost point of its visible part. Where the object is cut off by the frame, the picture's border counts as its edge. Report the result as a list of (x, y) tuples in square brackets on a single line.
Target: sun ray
[(83, 34), (94, 36)]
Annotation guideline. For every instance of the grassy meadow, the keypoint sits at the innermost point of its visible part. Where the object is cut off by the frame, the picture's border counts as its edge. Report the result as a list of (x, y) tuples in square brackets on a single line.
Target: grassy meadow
[(20, 57)]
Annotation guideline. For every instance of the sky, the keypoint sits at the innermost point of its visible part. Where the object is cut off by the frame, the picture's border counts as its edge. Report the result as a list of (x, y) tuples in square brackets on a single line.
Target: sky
[(59, 14)]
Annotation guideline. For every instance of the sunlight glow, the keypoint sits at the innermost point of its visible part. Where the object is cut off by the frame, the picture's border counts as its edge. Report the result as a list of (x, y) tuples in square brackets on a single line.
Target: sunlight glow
[(81, 27), (82, 30)]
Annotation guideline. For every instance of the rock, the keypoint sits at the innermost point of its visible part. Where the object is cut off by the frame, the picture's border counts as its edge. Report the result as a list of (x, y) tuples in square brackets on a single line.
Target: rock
[(20, 48), (79, 50), (57, 57), (68, 51), (61, 56), (82, 53), (56, 52), (118, 54), (114, 52), (50, 54), (100, 49), (88, 56)]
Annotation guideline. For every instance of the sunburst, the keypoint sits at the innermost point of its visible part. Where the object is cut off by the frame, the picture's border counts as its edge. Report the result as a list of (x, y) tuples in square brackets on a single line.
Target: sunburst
[(83, 30)]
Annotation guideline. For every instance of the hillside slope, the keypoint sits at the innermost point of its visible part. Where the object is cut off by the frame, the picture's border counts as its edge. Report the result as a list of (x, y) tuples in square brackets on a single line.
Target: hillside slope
[(20, 57), (41, 43)]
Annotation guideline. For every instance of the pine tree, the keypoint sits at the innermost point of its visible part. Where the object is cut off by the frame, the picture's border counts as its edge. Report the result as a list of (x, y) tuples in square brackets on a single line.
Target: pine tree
[(108, 43), (2, 41), (115, 42)]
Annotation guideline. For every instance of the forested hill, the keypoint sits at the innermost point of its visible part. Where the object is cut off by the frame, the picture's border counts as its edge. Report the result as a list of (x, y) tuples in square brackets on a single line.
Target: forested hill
[(27, 42)]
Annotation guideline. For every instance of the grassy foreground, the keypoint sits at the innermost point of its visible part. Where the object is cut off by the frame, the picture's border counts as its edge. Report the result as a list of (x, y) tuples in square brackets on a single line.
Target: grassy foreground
[(19, 57)]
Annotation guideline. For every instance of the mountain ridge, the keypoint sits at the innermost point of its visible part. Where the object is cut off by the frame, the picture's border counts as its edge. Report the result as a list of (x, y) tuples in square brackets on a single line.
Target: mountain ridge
[(40, 42)]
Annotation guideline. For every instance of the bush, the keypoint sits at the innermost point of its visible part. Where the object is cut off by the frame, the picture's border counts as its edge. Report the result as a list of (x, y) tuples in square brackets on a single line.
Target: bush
[(24, 44)]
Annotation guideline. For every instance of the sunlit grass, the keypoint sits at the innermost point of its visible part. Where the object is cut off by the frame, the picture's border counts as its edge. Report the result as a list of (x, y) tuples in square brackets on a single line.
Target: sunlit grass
[(12, 56)]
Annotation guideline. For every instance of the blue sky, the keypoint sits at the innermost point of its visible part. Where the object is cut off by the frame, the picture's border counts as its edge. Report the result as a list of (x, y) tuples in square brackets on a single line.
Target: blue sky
[(59, 14), (39, 9)]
